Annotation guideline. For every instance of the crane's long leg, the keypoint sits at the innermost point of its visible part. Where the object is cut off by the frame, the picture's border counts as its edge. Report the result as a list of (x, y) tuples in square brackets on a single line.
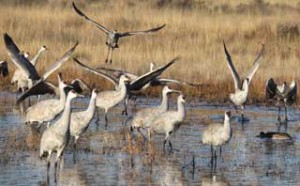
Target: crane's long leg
[(235, 108), (164, 144), (285, 110), (111, 54), (278, 116), (48, 161), (47, 179), (212, 155), (58, 162), (139, 130), (165, 141), (149, 134), (98, 116), (242, 113), (106, 121), (75, 148), (215, 160), (170, 145), (29, 103), (124, 112), (242, 116), (107, 56)]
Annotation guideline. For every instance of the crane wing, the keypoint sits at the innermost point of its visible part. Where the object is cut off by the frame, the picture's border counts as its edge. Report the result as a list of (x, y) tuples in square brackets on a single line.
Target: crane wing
[(101, 27), (256, 64), (271, 89), (59, 62), (106, 76), (39, 88), (235, 75), (141, 81), (142, 32), (18, 59)]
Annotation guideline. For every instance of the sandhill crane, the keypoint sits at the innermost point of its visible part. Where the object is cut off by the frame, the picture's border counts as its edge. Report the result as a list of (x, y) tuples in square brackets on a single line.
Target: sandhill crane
[(80, 120), (283, 93), (216, 135), (239, 97), (113, 36), (19, 77), (56, 137), (275, 135), (110, 98), (142, 117), (3, 68), (36, 83), (47, 110), (136, 84), (168, 122)]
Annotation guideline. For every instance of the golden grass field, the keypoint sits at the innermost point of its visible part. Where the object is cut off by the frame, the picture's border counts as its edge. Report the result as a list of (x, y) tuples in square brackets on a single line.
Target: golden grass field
[(194, 31)]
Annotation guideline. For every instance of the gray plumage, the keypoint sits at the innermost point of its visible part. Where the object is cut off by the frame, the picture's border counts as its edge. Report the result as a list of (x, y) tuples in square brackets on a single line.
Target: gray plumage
[(47, 110), (168, 122), (216, 135), (142, 117), (81, 120), (110, 98), (56, 137)]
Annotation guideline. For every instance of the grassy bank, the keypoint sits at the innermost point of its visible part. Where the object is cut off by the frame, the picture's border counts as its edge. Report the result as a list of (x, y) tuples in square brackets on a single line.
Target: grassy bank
[(194, 31)]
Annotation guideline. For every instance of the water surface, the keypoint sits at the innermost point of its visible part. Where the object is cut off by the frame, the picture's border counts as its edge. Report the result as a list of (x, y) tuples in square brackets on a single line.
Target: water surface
[(113, 157)]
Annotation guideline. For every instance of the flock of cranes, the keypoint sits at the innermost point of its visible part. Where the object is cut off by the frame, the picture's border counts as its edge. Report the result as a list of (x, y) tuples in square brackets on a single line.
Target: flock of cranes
[(62, 123)]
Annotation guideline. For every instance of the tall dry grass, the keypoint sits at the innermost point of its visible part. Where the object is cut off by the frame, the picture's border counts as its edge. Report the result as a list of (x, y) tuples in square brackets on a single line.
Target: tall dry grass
[(194, 31)]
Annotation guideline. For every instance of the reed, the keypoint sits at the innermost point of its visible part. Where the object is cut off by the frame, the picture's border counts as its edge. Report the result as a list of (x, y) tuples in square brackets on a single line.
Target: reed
[(194, 31)]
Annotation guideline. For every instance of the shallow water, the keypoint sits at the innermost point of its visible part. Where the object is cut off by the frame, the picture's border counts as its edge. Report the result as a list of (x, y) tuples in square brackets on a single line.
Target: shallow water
[(111, 157)]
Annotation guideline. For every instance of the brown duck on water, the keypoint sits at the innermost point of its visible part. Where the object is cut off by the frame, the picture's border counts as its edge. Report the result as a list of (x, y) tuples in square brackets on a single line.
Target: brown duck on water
[(275, 135)]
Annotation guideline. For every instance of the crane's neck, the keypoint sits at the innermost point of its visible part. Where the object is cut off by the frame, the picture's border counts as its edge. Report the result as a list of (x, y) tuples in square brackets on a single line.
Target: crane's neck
[(63, 95), (164, 103), (91, 108), (34, 60), (64, 123), (227, 124), (181, 110), (122, 88)]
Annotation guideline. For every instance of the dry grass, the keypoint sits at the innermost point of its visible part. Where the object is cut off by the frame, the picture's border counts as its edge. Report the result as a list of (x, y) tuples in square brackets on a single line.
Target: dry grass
[(194, 31)]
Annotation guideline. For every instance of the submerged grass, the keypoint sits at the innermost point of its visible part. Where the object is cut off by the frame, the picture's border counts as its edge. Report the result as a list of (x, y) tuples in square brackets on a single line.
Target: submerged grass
[(194, 31)]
